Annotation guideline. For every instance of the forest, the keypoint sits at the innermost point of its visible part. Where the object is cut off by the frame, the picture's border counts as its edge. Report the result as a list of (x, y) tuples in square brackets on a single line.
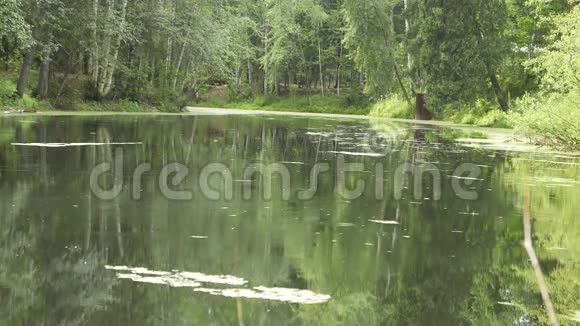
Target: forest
[(500, 63), (145, 178)]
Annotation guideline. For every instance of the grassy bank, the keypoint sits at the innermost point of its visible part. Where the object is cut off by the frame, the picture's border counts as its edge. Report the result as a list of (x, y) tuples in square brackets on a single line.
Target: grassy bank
[(483, 114), (552, 121), (293, 103)]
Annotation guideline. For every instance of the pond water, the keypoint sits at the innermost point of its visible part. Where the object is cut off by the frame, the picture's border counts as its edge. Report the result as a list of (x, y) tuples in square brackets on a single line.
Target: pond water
[(191, 229)]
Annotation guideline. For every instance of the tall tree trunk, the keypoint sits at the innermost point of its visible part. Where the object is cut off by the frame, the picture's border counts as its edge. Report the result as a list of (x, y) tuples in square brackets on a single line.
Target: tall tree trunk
[(532, 47), (42, 88), (276, 84), (105, 64), (169, 53), (320, 66), (409, 58), (498, 91), (266, 64), (238, 76), (179, 63), (187, 72), (113, 60), (249, 73), (95, 44), (24, 72), (403, 88), (338, 69), (491, 71)]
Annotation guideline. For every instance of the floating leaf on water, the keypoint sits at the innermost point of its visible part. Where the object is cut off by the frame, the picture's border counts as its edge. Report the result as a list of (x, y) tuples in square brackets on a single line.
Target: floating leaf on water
[(318, 134), (140, 278), (465, 178), (385, 222), (171, 280), (549, 162), (557, 249), (57, 145), (357, 154), (271, 294), (194, 280), (215, 279), (574, 316), (136, 270), (165, 277), (469, 213), (556, 181)]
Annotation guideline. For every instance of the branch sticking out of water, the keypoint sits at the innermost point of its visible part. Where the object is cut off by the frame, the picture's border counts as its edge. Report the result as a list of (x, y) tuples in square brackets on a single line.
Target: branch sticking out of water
[(528, 244)]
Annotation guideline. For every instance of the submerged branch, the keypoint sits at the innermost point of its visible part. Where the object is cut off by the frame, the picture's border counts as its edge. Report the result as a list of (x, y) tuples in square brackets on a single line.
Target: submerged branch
[(528, 244)]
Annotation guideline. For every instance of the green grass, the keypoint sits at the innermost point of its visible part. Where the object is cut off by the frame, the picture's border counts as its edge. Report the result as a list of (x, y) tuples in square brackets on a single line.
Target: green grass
[(393, 107), (115, 106), (312, 103), (482, 114)]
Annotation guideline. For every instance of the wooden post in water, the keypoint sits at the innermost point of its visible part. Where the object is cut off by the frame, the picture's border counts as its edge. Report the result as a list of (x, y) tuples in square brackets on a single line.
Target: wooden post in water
[(421, 112)]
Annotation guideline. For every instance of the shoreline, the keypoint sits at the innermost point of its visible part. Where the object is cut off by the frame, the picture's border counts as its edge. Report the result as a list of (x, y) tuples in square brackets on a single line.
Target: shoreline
[(498, 138), (192, 110)]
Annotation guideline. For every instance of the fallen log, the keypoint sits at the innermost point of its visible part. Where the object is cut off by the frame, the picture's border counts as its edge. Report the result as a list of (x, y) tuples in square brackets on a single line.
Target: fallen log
[(20, 111)]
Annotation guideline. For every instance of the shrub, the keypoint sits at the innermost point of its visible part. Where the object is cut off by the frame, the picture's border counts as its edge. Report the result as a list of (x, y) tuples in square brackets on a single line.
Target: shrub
[(7, 91), (116, 106), (482, 113), (495, 118), (243, 93), (265, 100), (9, 98), (354, 97), (393, 107), (554, 122)]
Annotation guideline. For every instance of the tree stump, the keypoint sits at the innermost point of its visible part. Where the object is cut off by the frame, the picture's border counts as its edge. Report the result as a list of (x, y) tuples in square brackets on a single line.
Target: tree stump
[(421, 112)]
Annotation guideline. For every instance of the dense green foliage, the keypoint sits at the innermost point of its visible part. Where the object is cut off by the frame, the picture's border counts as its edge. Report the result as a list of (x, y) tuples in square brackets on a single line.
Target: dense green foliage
[(394, 107), (552, 117), (170, 53)]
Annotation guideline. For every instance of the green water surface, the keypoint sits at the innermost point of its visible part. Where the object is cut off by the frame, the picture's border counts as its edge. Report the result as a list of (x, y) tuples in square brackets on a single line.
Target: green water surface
[(449, 261)]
